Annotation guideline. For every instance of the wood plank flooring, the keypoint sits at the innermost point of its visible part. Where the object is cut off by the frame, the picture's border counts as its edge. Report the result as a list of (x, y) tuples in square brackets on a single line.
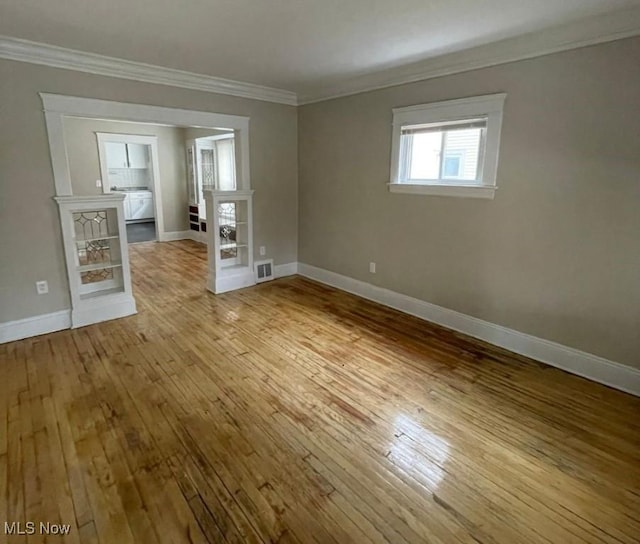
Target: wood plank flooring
[(292, 412)]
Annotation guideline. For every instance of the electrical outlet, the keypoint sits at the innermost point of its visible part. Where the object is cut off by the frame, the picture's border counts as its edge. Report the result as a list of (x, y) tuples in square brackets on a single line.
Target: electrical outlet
[(42, 287), (98, 183), (372, 268), (263, 251)]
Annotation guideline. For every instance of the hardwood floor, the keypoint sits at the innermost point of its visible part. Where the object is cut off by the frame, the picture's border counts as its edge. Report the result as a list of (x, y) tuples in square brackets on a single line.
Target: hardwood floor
[(292, 412)]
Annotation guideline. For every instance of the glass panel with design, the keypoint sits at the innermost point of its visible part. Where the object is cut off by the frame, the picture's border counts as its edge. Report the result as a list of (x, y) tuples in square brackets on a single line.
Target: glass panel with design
[(233, 226), (98, 252)]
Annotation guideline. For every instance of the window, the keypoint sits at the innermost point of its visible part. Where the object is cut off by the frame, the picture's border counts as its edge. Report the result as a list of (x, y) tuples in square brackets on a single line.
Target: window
[(447, 148), (211, 164), (225, 165), (217, 164)]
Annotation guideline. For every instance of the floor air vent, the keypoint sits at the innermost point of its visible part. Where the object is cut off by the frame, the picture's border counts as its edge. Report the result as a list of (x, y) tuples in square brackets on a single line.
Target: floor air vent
[(264, 270)]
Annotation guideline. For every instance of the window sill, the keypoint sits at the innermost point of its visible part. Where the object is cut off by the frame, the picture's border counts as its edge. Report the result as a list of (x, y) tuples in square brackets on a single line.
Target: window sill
[(465, 191)]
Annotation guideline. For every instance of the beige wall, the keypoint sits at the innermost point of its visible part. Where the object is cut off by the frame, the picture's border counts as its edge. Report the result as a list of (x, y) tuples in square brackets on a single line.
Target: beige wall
[(84, 163), (191, 133), (30, 237), (555, 255)]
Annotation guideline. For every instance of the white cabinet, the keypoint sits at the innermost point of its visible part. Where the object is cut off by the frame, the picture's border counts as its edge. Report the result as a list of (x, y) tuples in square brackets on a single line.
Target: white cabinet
[(138, 205), (116, 154), (141, 206), (122, 155), (138, 155)]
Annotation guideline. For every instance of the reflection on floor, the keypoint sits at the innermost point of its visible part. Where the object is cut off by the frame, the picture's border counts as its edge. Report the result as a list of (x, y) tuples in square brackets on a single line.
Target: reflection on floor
[(141, 232)]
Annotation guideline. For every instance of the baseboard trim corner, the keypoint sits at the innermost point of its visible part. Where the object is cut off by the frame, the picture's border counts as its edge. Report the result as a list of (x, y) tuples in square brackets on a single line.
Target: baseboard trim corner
[(34, 326), (197, 236), (586, 365)]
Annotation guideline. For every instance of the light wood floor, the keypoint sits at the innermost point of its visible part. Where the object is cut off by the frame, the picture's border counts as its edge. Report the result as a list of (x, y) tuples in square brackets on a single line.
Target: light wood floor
[(292, 412)]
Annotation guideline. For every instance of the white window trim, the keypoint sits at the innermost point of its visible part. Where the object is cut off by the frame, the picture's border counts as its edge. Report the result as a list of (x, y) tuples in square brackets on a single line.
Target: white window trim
[(490, 106)]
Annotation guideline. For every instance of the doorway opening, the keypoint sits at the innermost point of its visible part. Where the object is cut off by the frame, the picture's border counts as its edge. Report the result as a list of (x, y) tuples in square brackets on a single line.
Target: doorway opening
[(211, 165), (129, 164), (81, 196)]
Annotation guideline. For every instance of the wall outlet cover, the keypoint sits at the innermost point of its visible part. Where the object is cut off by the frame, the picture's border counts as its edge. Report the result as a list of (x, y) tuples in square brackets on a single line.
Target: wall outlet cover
[(42, 287)]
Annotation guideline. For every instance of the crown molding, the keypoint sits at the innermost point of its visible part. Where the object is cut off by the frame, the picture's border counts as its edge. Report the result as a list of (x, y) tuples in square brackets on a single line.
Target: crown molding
[(80, 61), (583, 33), (591, 31)]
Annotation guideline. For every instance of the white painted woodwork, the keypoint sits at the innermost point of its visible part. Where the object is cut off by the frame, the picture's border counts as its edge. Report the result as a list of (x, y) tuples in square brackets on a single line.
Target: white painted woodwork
[(100, 301), (225, 275), (145, 151)]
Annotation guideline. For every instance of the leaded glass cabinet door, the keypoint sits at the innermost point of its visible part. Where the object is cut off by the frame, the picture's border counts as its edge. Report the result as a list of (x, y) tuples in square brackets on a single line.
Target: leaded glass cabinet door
[(208, 167), (98, 251), (233, 233)]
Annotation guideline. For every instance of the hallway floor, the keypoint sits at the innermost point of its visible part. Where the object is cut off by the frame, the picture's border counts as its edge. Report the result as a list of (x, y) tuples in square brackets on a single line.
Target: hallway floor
[(141, 232)]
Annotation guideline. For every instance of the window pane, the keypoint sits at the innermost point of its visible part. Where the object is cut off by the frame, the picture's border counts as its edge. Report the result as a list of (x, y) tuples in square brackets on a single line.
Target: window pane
[(425, 155), (226, 165), (461, 151), (451, 167)]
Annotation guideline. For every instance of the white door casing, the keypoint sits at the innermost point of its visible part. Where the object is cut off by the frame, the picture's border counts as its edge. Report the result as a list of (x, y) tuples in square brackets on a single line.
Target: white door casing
[(57, 107), (139, 146)]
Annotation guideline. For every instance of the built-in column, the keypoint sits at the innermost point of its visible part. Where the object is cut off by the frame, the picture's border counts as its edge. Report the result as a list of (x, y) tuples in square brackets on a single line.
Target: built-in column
[(229, 240), (95, 243)]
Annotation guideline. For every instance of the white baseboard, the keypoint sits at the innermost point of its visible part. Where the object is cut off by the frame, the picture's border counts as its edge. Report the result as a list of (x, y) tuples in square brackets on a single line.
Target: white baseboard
[(35, 326), (103, 309), (283, 270), (175, 235), (592, 367), (184, 235), (223, 283), (198, 236)]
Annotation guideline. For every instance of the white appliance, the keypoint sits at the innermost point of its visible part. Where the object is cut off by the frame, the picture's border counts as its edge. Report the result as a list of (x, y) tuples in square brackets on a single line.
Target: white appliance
[(138, 205)]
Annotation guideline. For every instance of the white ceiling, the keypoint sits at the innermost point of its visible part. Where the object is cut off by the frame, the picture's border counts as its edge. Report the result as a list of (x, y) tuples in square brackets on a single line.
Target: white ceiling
[(299, 45)]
